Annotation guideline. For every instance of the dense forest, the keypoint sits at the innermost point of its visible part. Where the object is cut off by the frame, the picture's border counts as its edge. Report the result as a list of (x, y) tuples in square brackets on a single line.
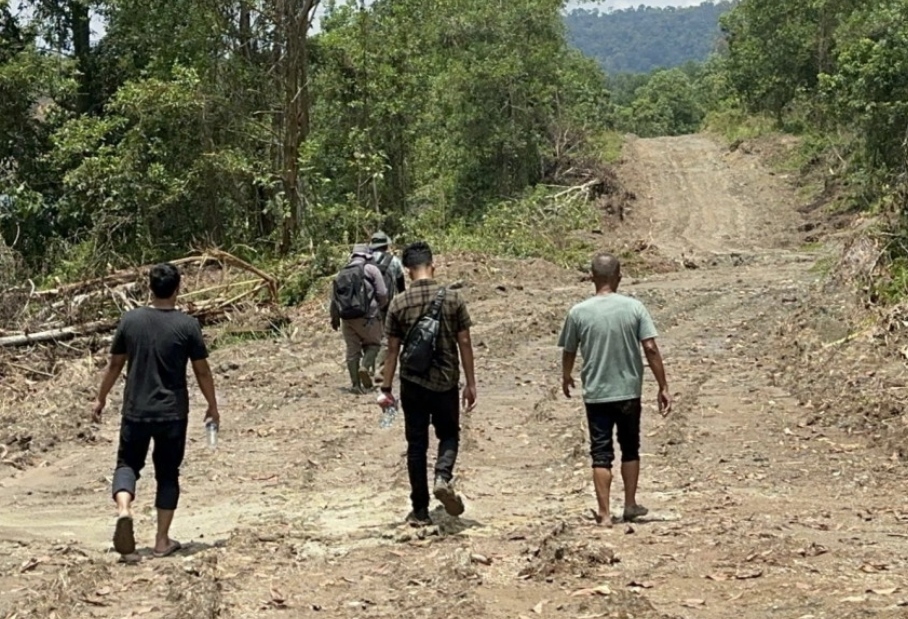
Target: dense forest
[(233, 123), (838, 72), (646, 38)]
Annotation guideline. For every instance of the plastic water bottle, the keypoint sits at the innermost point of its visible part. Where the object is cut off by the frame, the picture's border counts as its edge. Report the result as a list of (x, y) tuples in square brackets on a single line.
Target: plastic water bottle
[(388, 414), (212, 429)]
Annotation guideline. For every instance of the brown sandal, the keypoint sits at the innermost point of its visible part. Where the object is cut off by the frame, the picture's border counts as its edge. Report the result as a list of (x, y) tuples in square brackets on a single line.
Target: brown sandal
[(124, 539)]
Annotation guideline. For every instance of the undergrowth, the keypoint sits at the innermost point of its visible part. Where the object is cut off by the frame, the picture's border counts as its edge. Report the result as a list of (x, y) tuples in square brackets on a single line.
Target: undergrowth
[(607, 145), (544, 224), (736, 125)]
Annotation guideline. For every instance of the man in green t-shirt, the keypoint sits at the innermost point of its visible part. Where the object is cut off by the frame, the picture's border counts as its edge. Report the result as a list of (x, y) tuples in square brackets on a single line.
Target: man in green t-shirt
[(608, 330)]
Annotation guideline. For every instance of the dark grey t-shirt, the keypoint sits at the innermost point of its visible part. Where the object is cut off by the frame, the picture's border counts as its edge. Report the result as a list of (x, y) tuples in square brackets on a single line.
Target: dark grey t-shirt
[(159, 345)]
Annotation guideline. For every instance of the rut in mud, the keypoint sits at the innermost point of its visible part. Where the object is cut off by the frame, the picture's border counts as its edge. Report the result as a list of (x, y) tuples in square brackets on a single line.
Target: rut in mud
[(757, 511)]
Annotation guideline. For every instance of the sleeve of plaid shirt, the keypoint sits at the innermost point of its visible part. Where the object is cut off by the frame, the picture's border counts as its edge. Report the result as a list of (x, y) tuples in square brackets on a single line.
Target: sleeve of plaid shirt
[(393, 328), (462, 320)]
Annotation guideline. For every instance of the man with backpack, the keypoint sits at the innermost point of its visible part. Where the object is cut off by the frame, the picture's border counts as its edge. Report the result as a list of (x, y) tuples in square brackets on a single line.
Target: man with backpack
[(428, 329), (390, 265), (392, 271), (358, 297)]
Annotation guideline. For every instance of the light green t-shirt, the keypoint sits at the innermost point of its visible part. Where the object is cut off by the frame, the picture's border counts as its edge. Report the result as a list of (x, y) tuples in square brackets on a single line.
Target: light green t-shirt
[(607, 330)]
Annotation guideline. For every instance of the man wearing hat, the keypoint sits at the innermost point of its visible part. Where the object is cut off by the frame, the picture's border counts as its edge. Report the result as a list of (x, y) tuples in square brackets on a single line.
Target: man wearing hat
[(363, 331), (386, 261), (392, 270)]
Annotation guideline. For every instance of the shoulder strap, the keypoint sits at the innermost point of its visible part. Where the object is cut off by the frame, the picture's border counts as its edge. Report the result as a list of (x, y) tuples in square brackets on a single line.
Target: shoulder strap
[(437, 303), (386, 259)]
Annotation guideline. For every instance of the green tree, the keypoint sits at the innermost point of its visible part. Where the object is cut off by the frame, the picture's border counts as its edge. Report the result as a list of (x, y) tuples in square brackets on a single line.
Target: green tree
[(868, 91), (666, 105)]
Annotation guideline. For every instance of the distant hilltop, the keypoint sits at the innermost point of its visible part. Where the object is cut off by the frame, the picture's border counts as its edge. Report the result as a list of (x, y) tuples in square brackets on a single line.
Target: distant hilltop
[(641, 39)]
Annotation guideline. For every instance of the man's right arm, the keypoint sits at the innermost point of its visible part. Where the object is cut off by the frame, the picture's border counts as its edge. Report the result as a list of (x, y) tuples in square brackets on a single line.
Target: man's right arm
[(654, 358), (399, 279), (378, 284), (465, 345), (335, 315)]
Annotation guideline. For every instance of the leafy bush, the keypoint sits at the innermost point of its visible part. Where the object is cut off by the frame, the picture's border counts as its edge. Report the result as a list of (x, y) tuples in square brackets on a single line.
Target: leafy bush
[(540, 225), (735, 124)]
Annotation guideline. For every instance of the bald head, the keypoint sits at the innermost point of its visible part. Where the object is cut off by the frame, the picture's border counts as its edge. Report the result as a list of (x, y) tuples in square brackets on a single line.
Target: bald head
[(606, 269)]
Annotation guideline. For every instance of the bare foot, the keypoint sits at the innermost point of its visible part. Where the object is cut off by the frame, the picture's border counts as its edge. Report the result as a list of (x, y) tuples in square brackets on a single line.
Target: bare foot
[(604, 520)]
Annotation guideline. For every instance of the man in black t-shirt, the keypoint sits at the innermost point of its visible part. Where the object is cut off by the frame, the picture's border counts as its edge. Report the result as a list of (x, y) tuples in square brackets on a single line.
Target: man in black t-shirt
[(157, 342)]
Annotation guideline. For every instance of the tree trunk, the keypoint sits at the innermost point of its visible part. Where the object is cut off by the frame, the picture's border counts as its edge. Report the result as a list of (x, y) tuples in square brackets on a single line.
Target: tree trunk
[(294, 18), (80, 24)]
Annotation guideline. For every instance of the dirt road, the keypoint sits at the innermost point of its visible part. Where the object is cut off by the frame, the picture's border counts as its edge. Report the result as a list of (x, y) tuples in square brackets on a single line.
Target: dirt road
[(757, 511)]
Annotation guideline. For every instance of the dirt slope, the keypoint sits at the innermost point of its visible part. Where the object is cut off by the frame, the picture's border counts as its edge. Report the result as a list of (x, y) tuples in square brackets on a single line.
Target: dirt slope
[(757, 513)]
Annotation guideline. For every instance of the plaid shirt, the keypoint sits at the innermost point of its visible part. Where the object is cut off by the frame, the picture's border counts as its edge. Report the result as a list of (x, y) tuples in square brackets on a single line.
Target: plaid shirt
[(405, 311)]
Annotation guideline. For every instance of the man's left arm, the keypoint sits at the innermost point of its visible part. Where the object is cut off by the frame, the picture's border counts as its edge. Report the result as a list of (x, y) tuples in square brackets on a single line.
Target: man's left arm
[(114, 368)]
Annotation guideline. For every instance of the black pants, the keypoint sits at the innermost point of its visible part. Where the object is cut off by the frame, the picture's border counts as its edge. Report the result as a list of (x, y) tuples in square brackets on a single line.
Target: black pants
[(423, 407), (169, 448), (603, 419)]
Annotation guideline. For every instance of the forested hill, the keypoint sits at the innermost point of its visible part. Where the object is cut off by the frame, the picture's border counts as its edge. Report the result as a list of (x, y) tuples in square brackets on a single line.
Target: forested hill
[(642, 39)]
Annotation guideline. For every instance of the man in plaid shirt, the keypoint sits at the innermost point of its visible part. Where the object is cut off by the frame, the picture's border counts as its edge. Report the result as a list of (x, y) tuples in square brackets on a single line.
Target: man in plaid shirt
[(432, 398)]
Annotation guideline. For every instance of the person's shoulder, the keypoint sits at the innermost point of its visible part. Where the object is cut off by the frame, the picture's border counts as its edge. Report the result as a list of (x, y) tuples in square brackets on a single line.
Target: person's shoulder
[(454, 297), (135, 315), (582, 306), (182, 319), (632, 302), (398, 302)]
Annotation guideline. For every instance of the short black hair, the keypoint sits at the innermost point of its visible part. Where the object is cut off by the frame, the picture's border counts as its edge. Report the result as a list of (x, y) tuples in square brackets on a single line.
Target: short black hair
[(417, 254), (164, 279), (606, 267)]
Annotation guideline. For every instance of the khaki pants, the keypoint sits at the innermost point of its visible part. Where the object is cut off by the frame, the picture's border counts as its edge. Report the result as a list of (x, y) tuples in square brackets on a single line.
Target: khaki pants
[(359, 334)]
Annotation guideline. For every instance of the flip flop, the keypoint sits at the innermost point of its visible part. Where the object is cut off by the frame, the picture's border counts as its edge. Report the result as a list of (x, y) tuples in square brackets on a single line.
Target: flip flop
[(124, 539), (174, 546)]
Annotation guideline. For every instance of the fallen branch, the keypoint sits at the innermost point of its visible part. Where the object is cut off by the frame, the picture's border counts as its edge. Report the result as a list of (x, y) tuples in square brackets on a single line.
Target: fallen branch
[(54, 335), (242, 264), (28, 370), (848, 338), (93, 306), (577, 188)]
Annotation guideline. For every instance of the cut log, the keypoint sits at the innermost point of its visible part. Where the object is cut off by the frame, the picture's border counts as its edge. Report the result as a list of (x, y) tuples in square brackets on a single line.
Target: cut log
[(57, 335)]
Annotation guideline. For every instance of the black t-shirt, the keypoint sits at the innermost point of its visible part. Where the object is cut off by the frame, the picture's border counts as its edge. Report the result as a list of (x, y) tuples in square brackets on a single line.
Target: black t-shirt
[(159, 345)]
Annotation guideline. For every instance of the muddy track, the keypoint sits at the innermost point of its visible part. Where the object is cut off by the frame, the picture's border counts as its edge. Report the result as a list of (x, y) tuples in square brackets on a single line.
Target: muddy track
[(758, 512)]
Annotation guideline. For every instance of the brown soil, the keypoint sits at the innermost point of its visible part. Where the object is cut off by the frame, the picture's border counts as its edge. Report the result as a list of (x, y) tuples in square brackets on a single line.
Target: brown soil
[(758, 511)]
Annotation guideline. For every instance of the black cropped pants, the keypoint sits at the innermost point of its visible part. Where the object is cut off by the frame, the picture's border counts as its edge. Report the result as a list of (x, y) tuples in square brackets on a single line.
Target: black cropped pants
[(603, 420), (169, 448)]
